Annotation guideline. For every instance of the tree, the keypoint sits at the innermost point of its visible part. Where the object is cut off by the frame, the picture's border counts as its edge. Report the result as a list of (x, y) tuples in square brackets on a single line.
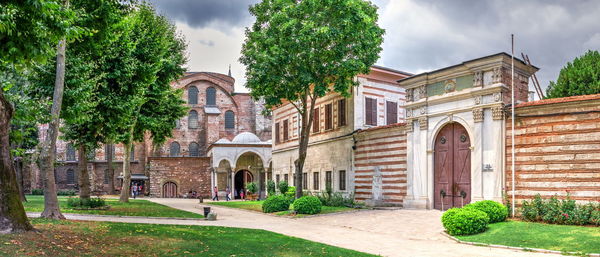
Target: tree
[(160, 54), (28, 32), (297, 51), (580, 77)]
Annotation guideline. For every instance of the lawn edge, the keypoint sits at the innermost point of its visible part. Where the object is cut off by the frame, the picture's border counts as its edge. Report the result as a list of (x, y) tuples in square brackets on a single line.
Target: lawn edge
[(290, 217), (38, 214), (524, 249)]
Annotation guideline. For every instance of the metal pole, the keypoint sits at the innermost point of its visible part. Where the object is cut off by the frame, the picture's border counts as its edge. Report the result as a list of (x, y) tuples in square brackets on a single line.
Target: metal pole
[(512, 135)]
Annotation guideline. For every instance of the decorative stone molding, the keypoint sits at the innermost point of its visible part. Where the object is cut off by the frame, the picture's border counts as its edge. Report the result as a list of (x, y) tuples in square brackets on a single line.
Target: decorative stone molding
[(410, 95), (421, 93), (477, 100), (497, 113), (497, 75), (423, 110), (497, 96), (423, 123), (449, 86), (478, 115), (409, 126), (478, 79), (409, 113)]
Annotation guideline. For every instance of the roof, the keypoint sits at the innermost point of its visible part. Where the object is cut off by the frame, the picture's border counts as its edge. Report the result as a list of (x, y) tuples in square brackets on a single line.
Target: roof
[(400, 124), (560, 100), (392, 70), (465, 62)]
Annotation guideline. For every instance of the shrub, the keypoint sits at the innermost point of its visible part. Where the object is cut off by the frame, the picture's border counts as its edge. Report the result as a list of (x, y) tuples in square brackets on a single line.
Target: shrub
[(555, 211), (336, 199), (76, 202), (271, 187), (252, 187), (276, 203), (291, 192), (307, 205), (595, 217), (464, 221), (66, 193), (282, 186), (37, 191), (495, 211)]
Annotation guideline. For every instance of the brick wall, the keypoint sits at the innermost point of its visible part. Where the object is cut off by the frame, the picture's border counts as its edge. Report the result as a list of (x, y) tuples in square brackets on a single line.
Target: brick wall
[(383, 147), (189, 173), (557, 148)]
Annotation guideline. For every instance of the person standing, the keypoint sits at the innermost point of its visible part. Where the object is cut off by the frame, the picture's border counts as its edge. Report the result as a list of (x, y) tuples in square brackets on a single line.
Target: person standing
[(242, 194), (216, 192), (133, 190), (227, 192)]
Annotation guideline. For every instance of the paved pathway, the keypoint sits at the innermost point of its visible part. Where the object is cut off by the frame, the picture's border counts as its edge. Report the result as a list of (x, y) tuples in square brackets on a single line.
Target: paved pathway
[(383, 232)]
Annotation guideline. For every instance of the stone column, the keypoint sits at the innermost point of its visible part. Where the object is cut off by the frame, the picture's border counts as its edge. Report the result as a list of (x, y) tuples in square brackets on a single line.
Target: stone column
[(498, 132), (477, 160)]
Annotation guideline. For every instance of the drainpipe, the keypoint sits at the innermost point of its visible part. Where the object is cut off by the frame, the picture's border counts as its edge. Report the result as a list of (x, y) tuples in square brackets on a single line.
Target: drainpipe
[(512, 134)]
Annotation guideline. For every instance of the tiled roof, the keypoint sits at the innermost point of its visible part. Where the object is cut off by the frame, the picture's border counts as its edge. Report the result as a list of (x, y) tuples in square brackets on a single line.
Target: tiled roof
[(560, 100)]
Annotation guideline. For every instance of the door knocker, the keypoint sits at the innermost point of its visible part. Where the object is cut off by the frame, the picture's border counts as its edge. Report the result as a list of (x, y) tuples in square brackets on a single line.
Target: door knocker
[(463, 138)]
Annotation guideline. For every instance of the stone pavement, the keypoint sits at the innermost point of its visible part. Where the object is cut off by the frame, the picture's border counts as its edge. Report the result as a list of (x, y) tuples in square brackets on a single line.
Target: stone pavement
[(382, 232)]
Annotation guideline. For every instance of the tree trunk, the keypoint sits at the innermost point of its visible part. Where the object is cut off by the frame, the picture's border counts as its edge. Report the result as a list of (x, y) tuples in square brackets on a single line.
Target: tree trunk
[(111, 170), (306, 124), (84, 176), (12, 213), (20, 181), (126, 172), (51, 207)]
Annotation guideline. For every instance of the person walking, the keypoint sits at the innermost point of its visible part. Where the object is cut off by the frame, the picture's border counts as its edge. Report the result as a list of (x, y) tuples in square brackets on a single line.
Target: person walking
[(216, 197), (227, 192), (134, 190), (242, 194)]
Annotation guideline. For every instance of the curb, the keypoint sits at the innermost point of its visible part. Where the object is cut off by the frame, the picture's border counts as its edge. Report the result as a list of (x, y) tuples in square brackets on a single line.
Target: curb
[(37, 214), (524, 249), (286, 216)]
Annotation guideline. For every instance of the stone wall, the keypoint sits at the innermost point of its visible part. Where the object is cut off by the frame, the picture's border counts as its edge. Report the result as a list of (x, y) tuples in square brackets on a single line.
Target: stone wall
[(380, 165), (189, 173), (557, 149)]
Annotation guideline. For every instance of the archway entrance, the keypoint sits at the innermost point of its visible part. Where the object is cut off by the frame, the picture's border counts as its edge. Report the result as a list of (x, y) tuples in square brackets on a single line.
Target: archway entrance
[(452, 167), (241, 178), (169, 190)]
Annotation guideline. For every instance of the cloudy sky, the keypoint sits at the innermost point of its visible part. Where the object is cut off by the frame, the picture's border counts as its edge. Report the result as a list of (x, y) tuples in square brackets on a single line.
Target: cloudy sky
[(421, 35)]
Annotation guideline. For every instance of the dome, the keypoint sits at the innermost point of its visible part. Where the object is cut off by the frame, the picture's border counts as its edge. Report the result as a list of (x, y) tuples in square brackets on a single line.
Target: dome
[(246, 138), (222, 140)]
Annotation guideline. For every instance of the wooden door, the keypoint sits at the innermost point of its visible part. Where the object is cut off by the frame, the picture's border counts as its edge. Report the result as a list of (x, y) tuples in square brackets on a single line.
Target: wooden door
[(169, 190), (452, 167)]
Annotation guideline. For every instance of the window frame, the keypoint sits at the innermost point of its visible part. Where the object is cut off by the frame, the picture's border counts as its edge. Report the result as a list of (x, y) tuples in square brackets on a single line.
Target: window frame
[(305, 181), (329, 179), (372, 113), (342, 180), (197, 149), (342, 112), (71, 176), (316, 128), (277, 131), (197, 123), (286, 128), (387, 112), (316, 180), (171, 149), (212, 90), (329, 116), (190, 102), (232, 119)]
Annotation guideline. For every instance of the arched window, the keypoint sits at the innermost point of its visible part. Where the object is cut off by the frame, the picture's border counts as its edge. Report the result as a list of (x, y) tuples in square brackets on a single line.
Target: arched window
[(229, 120), (70, 177), (193, 119), (106, 176), (174, 149), (71, 153), (192, 95), (211, 96), (194, 149)]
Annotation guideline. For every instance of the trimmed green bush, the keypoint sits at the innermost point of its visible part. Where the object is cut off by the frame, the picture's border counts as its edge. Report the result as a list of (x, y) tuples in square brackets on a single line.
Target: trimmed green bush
[(555, 211), (252, 187), (76, 202), (276, 203), (497, 212), (307, 205), (282, 186), (37, 191), (271, 187), (465, 221), (66, 193)]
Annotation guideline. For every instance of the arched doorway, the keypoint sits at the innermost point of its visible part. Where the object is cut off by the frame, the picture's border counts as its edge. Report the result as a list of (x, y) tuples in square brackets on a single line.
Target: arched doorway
[(241, 178), (452, 167), (169, 190)]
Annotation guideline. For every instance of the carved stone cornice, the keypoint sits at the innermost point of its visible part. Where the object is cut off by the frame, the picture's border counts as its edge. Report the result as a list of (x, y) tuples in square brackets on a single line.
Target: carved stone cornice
[(497, 113), (478, 115), (409, 126), (497, 75), (478, 79), (423, 123)]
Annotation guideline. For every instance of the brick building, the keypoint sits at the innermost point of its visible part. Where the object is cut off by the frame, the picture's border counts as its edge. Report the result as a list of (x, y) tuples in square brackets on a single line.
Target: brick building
[(216, 112)]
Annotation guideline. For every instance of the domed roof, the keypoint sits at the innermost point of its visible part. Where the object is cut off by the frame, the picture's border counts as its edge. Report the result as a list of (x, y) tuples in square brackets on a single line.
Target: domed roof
[(222, 140), (246, 138)]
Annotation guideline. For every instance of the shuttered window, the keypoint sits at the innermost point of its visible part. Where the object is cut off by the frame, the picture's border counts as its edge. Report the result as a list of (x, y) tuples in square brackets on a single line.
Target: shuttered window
[(342, 174), (328, 116), (371, 111), (211, 96), (194, 149), (316, 125), (328, 180), (70, 177), (342, 112), (174, 149), (305, 181), (315, 180), (391, 112), (229, 120), (193, 119), (192, 95), (109, 149), (277, 137), (285, 130)]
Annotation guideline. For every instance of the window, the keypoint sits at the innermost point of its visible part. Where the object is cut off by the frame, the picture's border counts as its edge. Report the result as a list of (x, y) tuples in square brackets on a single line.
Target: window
[(316, 120), (277, 139), (193, 119), (328, 181), (229, 120), (305, 181), (391, 109), (371, 111), (106, 176), (71, 153), (70, 177), (342, 174), (192, 95), (342, 112), (194, 149), (91, 155), (315, 180), (286, 177), (132, 153), (109, 150), (328, 116), (211, 96), (285, 130), (277, 179), (174, 149)]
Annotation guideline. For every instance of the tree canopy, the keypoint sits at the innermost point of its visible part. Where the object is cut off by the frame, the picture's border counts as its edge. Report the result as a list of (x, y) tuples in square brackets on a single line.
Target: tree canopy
[(579, 77)]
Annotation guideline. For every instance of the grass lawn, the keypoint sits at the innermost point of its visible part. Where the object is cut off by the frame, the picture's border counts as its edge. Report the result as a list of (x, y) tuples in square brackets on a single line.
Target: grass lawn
[(35, 203), (78, 238), (538, 235), (257, 206)]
